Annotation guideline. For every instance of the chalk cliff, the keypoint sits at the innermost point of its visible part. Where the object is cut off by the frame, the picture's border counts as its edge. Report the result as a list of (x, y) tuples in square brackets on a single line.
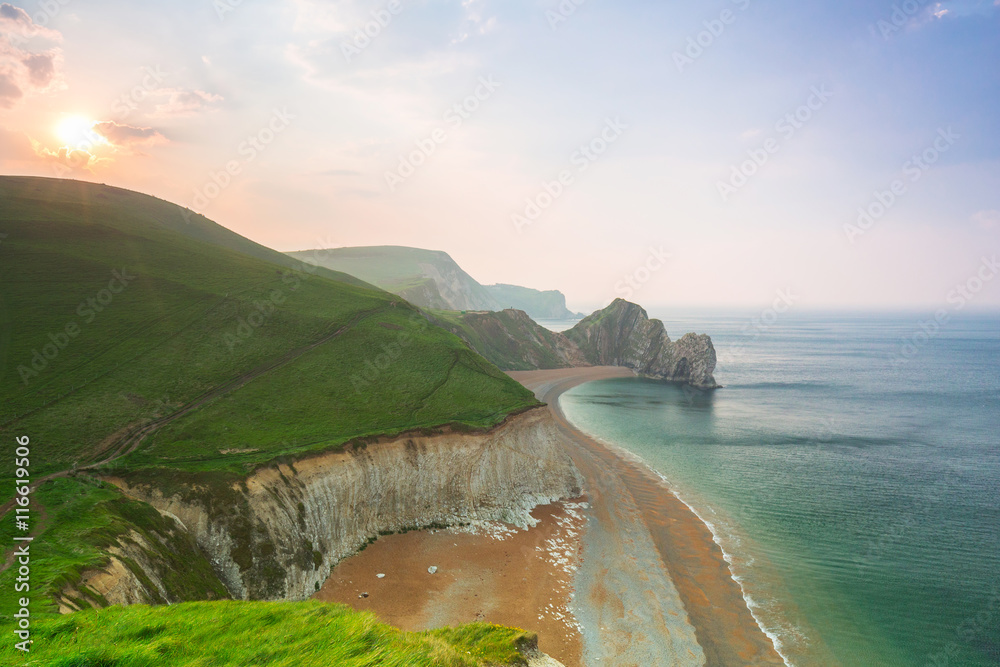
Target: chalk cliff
[(277, 534)]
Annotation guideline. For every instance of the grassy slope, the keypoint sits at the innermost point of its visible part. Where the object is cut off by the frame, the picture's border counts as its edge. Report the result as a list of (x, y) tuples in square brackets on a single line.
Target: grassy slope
[(80, 201), (84, 517), (174, 334), (505, 338), (398, 269), (257, 633)]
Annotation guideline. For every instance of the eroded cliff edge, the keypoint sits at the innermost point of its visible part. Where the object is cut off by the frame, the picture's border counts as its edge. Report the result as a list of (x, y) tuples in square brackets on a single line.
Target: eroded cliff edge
[(278, 533), (621, 334)]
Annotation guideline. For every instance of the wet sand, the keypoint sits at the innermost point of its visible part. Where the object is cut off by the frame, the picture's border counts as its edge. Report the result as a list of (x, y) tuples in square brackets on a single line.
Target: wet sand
[(629, 577), (726, 631), (497, 574)]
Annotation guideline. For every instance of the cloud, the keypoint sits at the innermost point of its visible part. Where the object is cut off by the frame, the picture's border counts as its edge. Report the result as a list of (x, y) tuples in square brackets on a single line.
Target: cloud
[(474, 21), (41, 68), (119, 134), (23, 71), (68, 159), (16, 24), (181, 102), (987, 219), (107, 139), (963, 8)]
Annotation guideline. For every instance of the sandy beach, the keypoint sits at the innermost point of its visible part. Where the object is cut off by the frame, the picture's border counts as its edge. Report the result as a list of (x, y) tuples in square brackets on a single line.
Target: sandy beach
[(626, 575)]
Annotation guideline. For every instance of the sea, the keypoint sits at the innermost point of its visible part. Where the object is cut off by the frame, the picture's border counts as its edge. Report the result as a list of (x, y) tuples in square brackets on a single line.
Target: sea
[(849, 469)]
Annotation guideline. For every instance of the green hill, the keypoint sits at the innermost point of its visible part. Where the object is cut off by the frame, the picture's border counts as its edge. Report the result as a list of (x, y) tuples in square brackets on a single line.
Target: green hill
[(431, 279), (512, 340), (127, 331), (138, 339), (131, 212), (426, 278)]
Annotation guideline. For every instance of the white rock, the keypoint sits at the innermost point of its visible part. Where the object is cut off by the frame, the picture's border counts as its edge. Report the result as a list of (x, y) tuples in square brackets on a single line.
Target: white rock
[(432, 569), (380, 576)]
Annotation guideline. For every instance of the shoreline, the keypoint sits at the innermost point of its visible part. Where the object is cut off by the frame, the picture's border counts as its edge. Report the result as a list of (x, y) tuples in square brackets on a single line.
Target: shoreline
[(627, 574), (636, 460), (717, 606)]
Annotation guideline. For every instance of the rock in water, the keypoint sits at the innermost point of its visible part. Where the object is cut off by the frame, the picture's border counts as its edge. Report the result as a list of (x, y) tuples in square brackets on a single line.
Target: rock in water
[(623, 335)]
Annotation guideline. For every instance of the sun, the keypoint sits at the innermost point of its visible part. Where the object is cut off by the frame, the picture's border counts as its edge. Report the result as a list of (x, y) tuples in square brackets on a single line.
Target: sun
[(77, 132)]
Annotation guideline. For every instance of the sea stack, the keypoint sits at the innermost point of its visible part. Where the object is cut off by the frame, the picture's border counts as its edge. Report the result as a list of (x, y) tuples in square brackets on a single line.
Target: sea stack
[(623, 335)]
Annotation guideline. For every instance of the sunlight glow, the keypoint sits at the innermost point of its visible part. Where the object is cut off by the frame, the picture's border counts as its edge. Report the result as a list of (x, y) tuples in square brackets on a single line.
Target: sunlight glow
[(77, 132)]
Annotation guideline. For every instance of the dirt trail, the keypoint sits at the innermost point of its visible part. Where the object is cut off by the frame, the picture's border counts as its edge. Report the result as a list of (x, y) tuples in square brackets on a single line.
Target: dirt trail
[(39, 518), (133, 437)]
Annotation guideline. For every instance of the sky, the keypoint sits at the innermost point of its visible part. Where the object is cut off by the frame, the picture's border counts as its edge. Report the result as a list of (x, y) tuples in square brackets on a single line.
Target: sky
[(678, 154)]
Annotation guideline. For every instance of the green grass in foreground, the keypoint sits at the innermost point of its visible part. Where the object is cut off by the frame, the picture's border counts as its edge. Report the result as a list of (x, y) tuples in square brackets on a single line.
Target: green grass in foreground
[(83, 517), (276, 634)]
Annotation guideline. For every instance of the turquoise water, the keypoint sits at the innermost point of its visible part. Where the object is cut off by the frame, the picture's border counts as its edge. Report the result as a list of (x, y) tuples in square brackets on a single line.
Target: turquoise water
[(853, 482)]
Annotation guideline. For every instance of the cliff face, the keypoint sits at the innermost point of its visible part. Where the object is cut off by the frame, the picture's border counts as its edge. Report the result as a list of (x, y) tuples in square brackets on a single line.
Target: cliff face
[(623, 335), (154, 561), (278, 534), (545, 305), (432, 279), (620, 335)]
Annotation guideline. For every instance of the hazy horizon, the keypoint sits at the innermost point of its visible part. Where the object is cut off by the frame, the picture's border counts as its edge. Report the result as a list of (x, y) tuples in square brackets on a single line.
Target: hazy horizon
[(286, 123)]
